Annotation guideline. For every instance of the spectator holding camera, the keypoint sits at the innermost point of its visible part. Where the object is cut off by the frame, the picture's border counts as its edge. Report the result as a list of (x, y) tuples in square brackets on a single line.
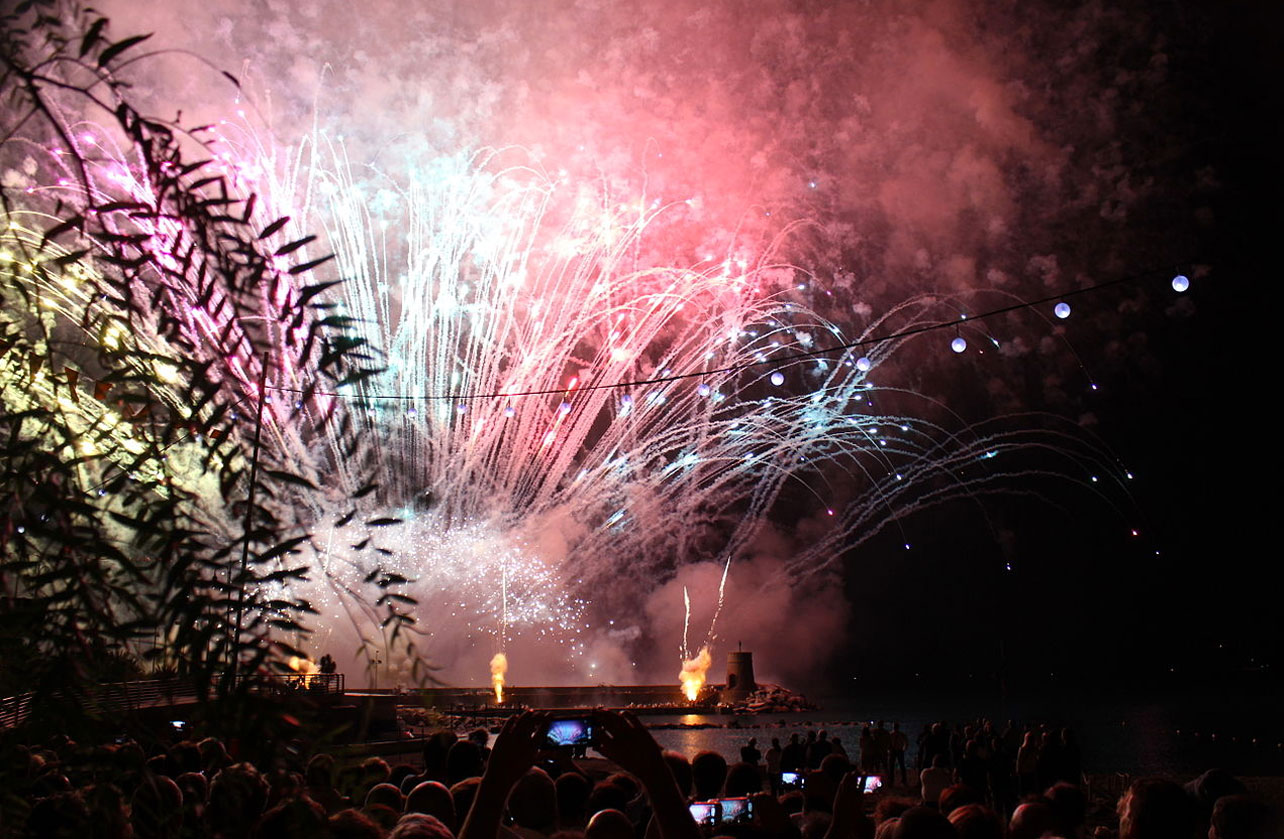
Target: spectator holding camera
[(621, 739)]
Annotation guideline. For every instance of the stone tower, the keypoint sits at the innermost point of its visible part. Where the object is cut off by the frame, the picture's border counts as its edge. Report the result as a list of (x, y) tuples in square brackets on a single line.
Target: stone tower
[(740, 681)]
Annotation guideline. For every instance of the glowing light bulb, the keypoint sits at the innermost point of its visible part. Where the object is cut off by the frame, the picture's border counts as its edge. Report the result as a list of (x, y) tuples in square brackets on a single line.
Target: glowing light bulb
[(1061, 310), (777, 378), (703, 389), (864, 365), (509, 411), (1180, 283), (959, 344)]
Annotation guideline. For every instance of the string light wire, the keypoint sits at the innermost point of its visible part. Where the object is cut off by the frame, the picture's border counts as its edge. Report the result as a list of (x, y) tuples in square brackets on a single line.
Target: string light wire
[(803, 355)]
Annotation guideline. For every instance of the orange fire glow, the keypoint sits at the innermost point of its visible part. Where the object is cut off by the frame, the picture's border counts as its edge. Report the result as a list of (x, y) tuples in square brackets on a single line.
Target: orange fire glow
[(693, 673), (498, 667), (306, 669)]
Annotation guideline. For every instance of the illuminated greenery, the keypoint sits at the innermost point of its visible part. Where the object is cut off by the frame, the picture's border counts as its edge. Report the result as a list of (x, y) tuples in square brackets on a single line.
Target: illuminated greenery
[(140, 301)]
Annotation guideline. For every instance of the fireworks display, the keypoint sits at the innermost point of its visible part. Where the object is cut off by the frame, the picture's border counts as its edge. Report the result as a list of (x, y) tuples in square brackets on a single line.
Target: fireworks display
[(586, 398)]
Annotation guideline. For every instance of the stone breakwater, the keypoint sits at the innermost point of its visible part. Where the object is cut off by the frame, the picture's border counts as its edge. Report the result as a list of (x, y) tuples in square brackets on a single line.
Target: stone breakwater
[(469, 709)]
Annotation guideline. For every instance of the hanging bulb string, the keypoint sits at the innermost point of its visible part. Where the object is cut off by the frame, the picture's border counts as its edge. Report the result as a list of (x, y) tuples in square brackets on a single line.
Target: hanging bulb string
[(802, 355)]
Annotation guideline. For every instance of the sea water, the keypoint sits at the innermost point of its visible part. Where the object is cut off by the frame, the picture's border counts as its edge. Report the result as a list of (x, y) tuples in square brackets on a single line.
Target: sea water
[(1180, 733)]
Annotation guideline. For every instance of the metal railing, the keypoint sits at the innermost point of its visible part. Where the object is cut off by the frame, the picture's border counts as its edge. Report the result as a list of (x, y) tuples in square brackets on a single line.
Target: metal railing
[(116, 697)]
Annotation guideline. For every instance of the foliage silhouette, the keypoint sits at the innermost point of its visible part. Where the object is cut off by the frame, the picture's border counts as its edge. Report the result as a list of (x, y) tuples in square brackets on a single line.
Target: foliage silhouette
[(142, 308)]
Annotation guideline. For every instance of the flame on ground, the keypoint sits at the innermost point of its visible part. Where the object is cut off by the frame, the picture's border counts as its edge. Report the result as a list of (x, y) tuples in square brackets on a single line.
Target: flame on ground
[(693, 673), (306, 668), (498, 667)]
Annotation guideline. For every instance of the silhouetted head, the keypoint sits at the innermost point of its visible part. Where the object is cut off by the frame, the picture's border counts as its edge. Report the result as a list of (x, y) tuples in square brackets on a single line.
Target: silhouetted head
[(1156, 808), (464, 760), (1031, 820), (387, 795), (572, 796), (432, 798), (923, 823), (1242, 817), (533, 801), (296, 818), (708, 773), (463, 794), (891, 807), (835, 766), (681, 769), (353, 824), (420, 826), (958, 795), (609, 824), (156, 810), (1210, 786), (237, 797), (320, 771), (742, 779), (607, 796), (976, 821), (1069, 806)]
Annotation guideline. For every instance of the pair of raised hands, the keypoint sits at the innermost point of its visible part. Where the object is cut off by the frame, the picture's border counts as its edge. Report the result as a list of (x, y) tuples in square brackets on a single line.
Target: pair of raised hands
[(621, 739)]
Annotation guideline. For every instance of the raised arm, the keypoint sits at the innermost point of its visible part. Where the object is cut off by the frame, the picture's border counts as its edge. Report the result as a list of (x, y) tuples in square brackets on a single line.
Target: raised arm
[(513, 753), (624, 740), (850, 821)]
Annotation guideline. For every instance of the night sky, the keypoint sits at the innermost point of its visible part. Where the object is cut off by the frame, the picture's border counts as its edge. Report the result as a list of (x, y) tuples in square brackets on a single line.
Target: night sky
[(1086, 603), (959, 146)]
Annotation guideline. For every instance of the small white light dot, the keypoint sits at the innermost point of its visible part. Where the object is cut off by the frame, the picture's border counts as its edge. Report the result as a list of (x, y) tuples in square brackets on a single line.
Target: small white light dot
[(959, 344), (777, 378), (1062, 310), (1180, 283), (863, 364)]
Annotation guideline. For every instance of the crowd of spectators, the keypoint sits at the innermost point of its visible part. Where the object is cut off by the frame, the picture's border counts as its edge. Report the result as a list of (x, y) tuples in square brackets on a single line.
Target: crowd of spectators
[(974, 782)]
